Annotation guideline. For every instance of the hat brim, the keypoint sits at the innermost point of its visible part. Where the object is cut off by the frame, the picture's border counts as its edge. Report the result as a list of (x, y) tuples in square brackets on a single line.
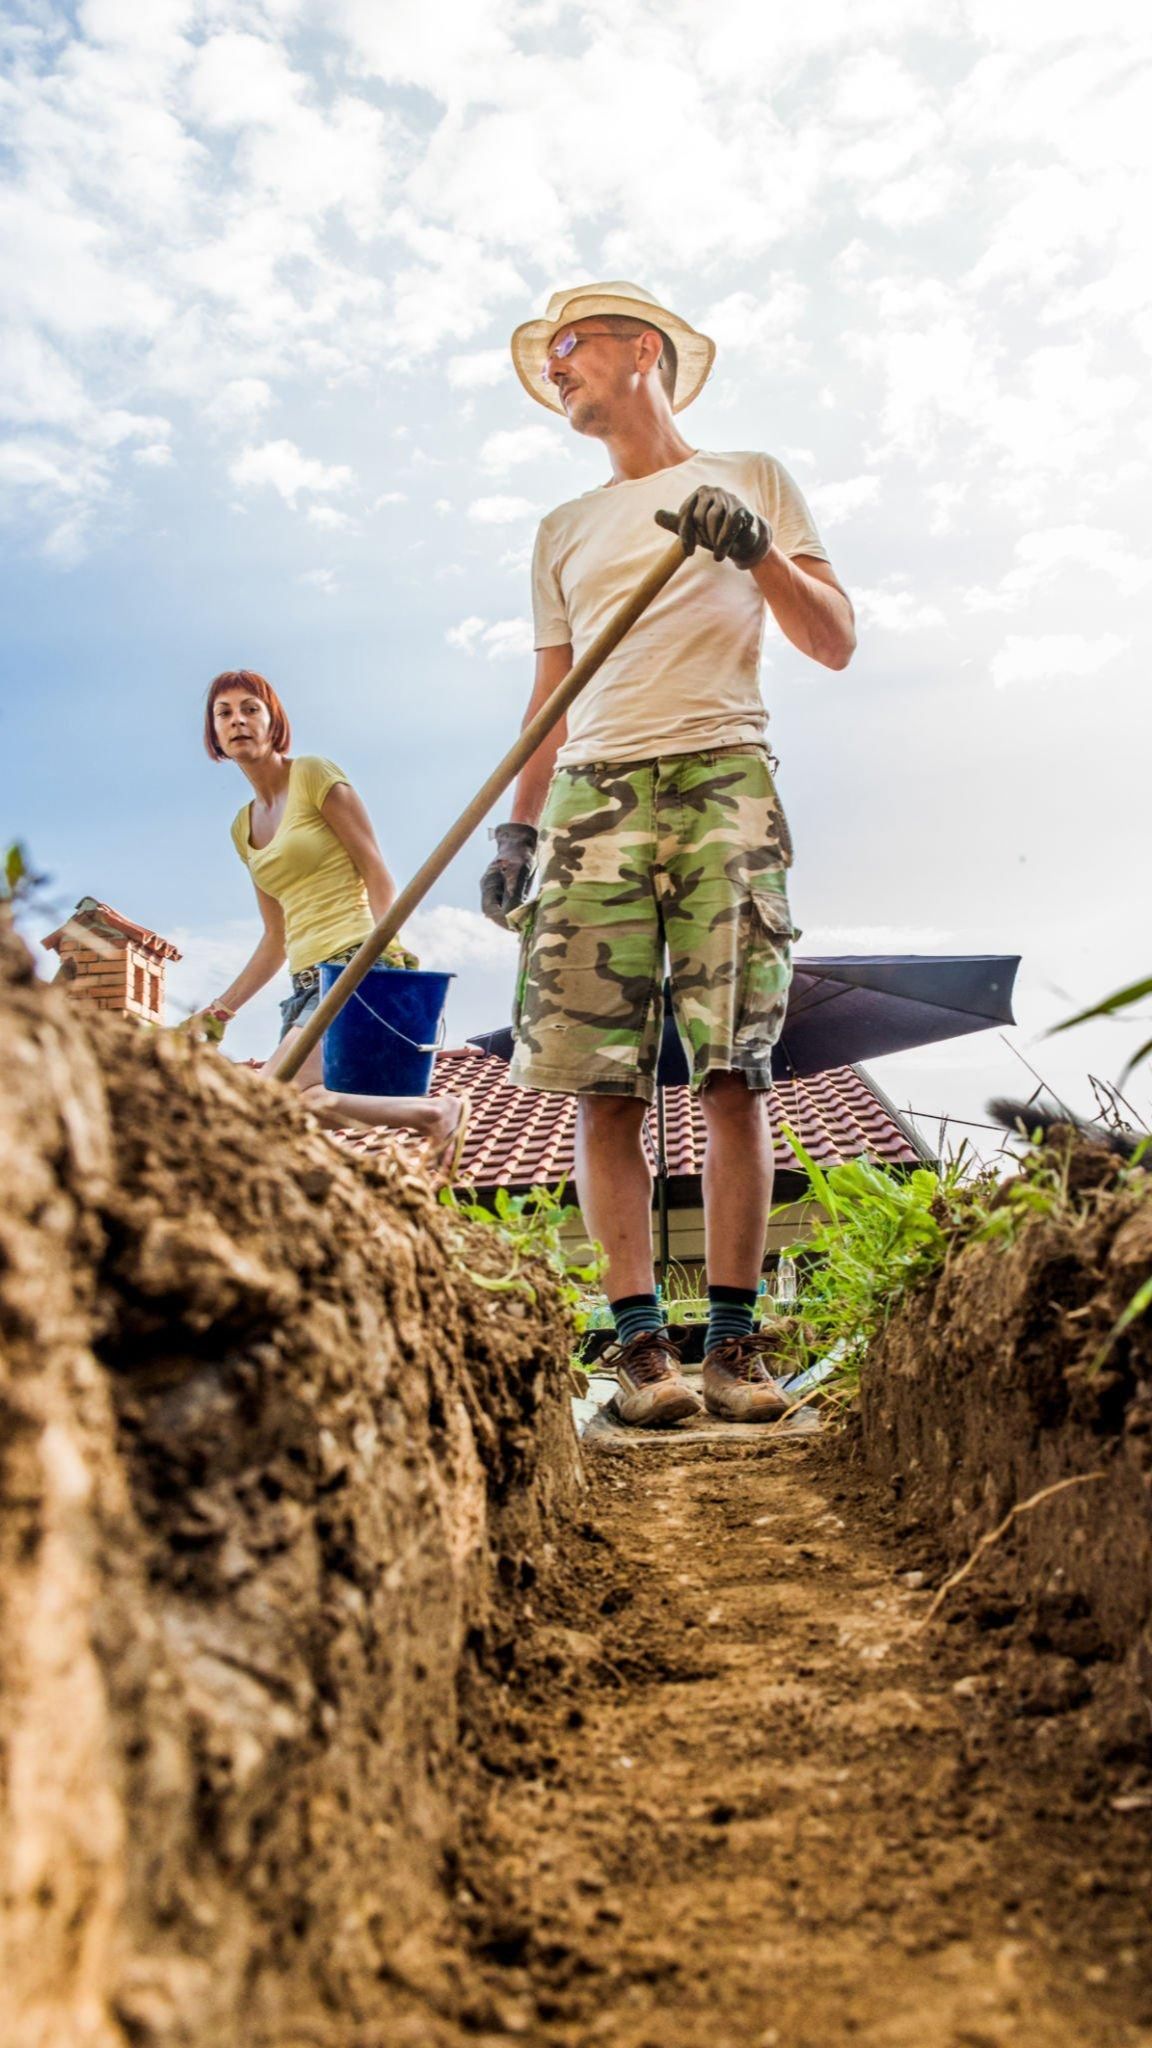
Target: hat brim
[(695, 353)]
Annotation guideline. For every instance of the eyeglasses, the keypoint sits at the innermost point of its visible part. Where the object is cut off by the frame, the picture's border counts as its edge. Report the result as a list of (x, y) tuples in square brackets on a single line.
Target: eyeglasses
[(570, 340)]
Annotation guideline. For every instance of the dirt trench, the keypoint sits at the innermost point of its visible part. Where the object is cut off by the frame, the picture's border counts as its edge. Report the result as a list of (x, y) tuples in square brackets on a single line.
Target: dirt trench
[(341, 1707), (752, 1802)]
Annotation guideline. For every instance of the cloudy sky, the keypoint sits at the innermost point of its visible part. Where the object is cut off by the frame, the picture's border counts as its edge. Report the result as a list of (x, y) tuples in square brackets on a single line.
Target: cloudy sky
[(261, 261)]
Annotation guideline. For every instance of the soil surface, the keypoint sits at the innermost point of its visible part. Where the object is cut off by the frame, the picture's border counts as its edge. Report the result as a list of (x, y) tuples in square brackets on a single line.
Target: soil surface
[(745, 1799)]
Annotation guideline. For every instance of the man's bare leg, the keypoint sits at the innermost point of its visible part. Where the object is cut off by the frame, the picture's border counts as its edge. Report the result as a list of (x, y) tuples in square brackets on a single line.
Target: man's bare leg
[(615, 1188), (614, 1184), (738, 1386), (737, 1180)]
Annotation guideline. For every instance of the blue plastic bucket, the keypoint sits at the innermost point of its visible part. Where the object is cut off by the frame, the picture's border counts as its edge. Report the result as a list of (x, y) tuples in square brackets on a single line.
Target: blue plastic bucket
[(385, 1038)]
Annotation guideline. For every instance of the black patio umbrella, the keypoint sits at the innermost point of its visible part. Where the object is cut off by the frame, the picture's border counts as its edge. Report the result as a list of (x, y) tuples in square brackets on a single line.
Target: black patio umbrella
[(844, 1009)]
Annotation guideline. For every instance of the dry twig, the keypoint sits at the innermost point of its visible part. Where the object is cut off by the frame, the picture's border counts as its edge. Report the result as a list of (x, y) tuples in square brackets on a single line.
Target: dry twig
[(1022, 1508)]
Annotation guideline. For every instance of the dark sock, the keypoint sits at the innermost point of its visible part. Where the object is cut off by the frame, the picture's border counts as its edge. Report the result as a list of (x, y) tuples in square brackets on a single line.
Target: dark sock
[(633, 1313), (729, 1314)]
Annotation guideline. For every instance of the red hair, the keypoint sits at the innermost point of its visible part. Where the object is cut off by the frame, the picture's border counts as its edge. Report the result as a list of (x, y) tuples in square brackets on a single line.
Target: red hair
[(246, 679)]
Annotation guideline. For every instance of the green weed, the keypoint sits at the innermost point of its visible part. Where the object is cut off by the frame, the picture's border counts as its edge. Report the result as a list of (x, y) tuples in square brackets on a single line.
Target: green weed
[(530, 1226), (881, 1234)]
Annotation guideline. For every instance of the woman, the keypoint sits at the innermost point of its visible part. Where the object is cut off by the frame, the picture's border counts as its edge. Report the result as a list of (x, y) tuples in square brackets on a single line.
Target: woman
[(321, 883)]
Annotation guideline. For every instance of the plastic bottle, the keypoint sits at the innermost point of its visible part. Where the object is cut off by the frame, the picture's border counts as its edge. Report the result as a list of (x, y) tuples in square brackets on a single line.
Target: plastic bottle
[(784, 1283)]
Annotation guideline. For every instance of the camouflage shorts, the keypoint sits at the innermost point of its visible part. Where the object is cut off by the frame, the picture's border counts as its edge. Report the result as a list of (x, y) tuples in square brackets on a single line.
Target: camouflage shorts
[(689, 855)]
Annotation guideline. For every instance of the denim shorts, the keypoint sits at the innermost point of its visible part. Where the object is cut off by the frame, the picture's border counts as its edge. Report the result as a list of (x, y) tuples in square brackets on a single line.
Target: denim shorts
[(305, 997)]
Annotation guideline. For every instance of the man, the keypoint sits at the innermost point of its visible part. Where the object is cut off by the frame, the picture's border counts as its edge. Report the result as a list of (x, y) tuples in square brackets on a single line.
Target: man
[(659, 825)]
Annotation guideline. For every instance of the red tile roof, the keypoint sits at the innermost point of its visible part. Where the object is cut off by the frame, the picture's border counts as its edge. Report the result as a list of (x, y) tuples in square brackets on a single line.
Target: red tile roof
[(517, 1138), (92, 915)]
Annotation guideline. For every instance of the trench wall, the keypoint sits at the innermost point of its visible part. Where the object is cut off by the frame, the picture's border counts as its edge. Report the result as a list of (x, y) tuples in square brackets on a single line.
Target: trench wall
[(988, 1386), (282, 1457)]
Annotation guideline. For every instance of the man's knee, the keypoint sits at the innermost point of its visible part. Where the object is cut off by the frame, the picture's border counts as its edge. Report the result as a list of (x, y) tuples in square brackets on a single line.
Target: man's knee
[(727, 1096), (611, 1116)]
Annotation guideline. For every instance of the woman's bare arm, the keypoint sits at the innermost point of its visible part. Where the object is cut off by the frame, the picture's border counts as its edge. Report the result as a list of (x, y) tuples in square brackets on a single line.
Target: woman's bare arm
[(343, 810), (266, 959)]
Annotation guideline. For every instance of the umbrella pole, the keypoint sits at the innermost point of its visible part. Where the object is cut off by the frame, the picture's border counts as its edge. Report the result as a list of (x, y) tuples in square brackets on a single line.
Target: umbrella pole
[(474, 813), (662, 1184)]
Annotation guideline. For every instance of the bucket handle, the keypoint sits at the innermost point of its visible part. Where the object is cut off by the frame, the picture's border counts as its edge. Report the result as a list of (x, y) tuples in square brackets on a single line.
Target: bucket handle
[(412, 1043)]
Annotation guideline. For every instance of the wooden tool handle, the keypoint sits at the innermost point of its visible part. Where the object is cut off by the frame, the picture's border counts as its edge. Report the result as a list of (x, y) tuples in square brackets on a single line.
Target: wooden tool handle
[(474, 814)]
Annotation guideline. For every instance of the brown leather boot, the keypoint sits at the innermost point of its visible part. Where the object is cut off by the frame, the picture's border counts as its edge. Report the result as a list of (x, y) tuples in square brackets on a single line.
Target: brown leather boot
[(738, 1385), (650, 1390)]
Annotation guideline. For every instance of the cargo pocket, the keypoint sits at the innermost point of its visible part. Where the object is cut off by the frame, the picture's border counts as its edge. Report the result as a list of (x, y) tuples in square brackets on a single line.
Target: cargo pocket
[(767, 971), (522, 921)]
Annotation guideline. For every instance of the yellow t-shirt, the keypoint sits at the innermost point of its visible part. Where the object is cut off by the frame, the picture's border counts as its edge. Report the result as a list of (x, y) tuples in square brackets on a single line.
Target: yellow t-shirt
[(306, 869)]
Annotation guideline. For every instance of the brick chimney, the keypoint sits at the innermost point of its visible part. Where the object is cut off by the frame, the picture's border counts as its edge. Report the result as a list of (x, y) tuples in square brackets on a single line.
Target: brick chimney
[(107, 960)]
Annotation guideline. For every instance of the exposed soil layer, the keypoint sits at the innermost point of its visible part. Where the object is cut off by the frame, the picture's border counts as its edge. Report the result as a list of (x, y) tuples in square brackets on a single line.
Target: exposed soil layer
[(1008, 1376), (338, 1711), (277, 1474), (744, 1799)]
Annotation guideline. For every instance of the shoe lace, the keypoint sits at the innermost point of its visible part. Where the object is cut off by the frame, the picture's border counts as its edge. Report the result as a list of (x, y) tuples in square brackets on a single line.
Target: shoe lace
[(745, 1356), (648, 1356)]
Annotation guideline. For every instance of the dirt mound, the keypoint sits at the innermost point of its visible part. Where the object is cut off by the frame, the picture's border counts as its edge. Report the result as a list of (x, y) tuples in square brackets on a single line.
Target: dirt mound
[(278, 1471), (1008, 1375)]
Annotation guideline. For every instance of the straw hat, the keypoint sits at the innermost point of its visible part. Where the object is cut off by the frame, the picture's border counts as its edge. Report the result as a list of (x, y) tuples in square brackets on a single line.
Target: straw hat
[(694, 352)]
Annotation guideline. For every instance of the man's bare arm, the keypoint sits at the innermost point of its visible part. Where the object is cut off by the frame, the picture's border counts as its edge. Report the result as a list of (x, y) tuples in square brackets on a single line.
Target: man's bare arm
[(809, 606), (552, 665)]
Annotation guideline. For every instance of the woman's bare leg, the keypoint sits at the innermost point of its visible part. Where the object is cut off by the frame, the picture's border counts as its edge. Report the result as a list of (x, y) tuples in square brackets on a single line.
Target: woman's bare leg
[(434, 1117)]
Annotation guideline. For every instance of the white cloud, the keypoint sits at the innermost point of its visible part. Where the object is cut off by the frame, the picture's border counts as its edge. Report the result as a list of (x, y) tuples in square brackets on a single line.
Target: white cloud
[(763, 322), (323, 580), (280, 466), (925, 194), (507, 450), (501, 511), (157, 455), (501, 639), (1045, 555), (891, 609), (833, 503), (476, 372), (238, 402), (330, 520), (466, 635), (447, 938), (1051, 657), (210, 960), (389, 498)]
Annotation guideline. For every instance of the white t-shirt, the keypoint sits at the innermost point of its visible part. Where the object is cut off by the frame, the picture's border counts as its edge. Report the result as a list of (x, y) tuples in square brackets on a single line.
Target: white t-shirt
[(686, 677)]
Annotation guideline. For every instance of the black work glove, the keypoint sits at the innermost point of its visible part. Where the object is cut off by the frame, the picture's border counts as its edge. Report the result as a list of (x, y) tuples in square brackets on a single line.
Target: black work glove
[(506, 880), (714, 519)]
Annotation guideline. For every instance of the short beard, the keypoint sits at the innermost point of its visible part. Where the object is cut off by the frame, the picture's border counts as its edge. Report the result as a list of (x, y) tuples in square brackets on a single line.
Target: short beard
[(587, 418)]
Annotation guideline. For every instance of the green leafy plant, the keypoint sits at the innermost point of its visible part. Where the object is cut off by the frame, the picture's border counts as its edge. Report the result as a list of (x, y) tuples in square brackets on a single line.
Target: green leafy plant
[(881, 1234), (1039, 1189), (530, 1226)]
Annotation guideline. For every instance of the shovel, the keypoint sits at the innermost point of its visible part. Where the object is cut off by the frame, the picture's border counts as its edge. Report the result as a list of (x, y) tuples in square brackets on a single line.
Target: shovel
[(474, 814)]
